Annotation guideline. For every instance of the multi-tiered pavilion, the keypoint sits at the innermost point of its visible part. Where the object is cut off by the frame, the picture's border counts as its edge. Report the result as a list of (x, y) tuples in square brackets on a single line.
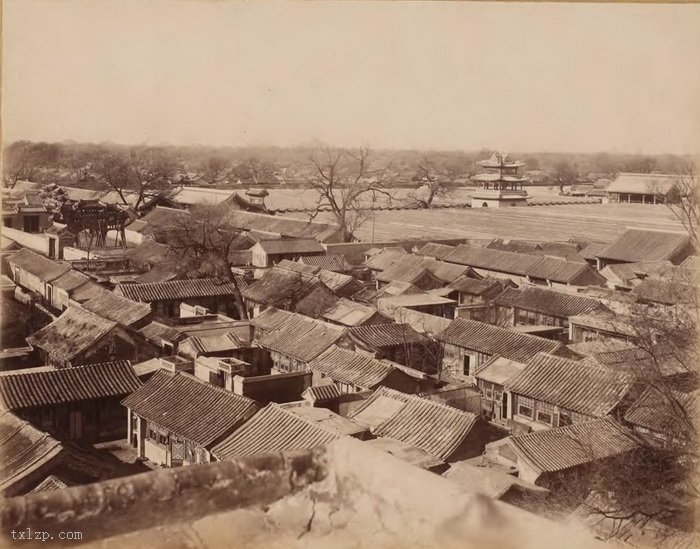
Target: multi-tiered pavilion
[(500, 185)]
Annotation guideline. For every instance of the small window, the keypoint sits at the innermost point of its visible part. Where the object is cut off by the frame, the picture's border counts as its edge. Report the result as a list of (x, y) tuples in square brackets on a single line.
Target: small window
[(524, 411), (544, 417)]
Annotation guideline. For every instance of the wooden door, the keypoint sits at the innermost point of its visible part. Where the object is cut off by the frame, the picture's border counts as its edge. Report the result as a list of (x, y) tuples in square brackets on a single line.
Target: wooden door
[(76, 424)]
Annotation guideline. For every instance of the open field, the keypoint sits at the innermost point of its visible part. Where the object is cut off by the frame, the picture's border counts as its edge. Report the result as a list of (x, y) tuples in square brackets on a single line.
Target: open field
[(281, 199), (591, 221)]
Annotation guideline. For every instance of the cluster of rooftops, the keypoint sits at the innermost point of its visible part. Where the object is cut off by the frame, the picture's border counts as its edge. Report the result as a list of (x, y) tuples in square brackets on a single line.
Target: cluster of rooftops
[(458, 357)]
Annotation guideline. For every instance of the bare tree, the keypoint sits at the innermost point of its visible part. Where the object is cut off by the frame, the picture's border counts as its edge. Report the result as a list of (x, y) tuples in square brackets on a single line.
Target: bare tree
[(564, 174), (18, 163), (432, 186), (684, 200), (138, 175), (203, 243), (342, 179)]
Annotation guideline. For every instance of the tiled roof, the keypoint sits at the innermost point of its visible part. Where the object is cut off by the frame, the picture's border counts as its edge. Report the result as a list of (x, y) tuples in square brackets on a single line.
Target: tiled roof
[(350, 313), (211, 344), (71, 333), (562, 448), (148, 253), (177, 289), (273, 429), (422, 322), (645, 245), (87, 291), (377, 336), (524, 264), (24, 449), (27, 389), (284, 288), (498, 370), (117, 308), (493, 260), (643, 183), (282, 226), (291, 246), (409, 268), (493, 340), (157, 332), (298, 266), (336, 281), (156, 274), (302, 338), (42, 267), (667, 412), (385, 259), (331, 262), (327, 419), (563, 271), (666, 292), (521, 246), (271, 318), (189, 407), (322, 393), (351, 367), (472, 286), (613, 323), (432, 426), (50, 483), (578, 386), (592, 250), (158, 218), (70, 280), (550, 302), (438, 251)]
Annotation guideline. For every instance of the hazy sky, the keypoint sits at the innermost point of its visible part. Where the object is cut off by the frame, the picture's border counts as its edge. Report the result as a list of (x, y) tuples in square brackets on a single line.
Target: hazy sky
[(518, 77)]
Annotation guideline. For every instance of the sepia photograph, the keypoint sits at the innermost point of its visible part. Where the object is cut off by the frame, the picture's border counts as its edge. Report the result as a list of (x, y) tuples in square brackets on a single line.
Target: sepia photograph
[(349, 274)]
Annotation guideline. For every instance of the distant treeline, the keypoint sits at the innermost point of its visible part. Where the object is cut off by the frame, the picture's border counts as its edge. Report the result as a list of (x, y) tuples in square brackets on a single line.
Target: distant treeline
[(85, 164)]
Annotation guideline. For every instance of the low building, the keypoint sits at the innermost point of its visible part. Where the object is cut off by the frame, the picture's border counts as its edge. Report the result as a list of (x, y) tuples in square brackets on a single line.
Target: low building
[(553, 392), (81, 402), (423, 272), (274, 429), (166, 298), (445, 433), (267, 253), (73, 285), (289, 290), (353, 372), (641, 188), (30, 456), (81, 337), (546, 456), (491, 379), (428, 303), (175, 419), (602, 325), (35, 273), (533, 306), (128, 313), (645, 245), (25, 212), (667, 416), (395, 342), (298, 341), (331, 262), (350, 314), (469, 344), (525, 267), (474, 296)]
